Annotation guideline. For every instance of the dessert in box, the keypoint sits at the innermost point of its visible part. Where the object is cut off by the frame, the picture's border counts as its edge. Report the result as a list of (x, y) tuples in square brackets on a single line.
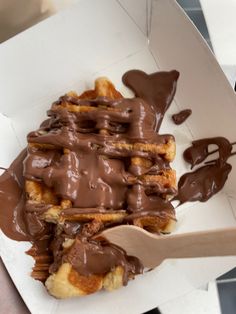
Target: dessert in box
[(50, 69), (95, 163)]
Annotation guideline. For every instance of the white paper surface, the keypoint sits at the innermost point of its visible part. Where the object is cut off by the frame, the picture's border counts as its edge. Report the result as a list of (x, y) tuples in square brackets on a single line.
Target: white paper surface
[(60, 50), (221, 23), (138, 10), (197, 302), (202, 85), (142, 294), (68, 51), (12, 146)]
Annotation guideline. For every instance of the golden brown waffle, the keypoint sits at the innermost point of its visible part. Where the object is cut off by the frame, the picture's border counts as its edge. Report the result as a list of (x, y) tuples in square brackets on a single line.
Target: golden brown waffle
[(66, 281), (43, 261)]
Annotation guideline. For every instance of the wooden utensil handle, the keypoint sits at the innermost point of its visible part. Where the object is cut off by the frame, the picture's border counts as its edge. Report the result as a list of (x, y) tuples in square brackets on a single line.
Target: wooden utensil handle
[(206, 243), (152, 249)]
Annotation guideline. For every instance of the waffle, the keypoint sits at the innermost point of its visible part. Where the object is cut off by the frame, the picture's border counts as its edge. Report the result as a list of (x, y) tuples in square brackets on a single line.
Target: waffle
[(68, 282), (103, 124)]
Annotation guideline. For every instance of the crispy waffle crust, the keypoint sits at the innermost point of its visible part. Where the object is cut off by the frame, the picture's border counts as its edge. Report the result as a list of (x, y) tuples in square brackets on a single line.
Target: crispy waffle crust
[(96, 123)]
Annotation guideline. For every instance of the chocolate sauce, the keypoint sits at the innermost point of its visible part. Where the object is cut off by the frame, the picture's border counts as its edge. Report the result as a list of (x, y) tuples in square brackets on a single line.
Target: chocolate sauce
[(92, 173), (203, 183), (199, 150), (89, 164), (180, 117), (98, 258), (139, 200), (158, 89), (12, 218)]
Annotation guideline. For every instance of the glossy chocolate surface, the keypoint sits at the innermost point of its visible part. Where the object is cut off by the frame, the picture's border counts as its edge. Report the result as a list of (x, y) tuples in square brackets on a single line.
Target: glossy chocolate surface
[(87, 161), (180, 117), (207, 180), (90, 166)]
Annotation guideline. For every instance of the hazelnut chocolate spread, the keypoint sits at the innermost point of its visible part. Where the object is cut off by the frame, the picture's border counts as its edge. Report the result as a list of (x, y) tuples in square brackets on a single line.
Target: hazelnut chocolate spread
[(91, 169), (85, 175), (158, 89), (12, 218), (199, 150), (207, 180), (98, 258), (180, 117)]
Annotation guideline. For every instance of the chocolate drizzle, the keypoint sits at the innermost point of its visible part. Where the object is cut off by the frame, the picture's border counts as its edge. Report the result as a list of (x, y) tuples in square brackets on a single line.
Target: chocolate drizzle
[(203, 183), (92, 169), (87, 161), (12, 218), (106, 183), (199, 150), (158, 89), (99, 258), (180, 117)]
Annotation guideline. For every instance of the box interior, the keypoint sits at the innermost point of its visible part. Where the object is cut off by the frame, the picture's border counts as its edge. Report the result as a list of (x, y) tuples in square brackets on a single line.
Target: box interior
[(57, 56)]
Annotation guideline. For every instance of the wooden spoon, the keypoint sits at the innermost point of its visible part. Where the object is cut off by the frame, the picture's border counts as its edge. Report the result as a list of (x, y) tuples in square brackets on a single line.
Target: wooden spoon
[(152, 249)]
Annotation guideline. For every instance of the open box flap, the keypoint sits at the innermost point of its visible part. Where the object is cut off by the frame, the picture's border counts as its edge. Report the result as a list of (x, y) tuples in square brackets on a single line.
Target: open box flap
[(221, 24), (139, 11), (176, 44), (202, 86), (55, 54), (9, 142)]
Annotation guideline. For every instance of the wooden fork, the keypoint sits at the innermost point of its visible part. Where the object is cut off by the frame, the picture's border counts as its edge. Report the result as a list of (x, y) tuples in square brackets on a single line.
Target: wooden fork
[(152, 249)]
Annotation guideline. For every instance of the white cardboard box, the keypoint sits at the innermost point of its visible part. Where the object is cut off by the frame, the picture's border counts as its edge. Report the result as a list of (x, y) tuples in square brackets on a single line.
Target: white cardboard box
[(222, 34), (103, 37)]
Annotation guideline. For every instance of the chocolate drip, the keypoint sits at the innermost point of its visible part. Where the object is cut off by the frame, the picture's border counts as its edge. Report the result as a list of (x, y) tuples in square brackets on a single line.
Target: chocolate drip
[(158, 89), (139, 199), (12, 219), (180, 117), (203, 183), (198, 152), (98, 258), (147, 205), (42, 255)]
